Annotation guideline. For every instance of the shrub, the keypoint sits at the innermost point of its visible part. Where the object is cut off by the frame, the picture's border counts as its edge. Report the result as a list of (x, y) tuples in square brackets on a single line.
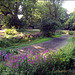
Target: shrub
[(4, 43), (71, 33), (48, 27), (10, 31)]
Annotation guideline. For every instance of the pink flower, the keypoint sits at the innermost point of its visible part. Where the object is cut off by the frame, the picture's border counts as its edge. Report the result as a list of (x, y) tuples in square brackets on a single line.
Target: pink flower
[(20, 37), (18, 74), (48, 63), (28, 35), (11, 60), (53, 68), (15, 61), (22, 57), (25, 56), (38, 64), (14, 66), (17, 64), (19, 57), (36, 56), (7, 56), (0, 53), (10, 64), (28, 49), (25, 70), (42, 71), (15, 57), (57, 31), (44, 59)]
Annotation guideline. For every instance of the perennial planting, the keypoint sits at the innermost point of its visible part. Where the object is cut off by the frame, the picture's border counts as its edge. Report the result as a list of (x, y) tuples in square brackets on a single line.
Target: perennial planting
[(46, 62), (9, 40)]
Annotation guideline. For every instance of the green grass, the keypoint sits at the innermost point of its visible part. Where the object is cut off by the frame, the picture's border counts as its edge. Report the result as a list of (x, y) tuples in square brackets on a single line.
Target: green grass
[(23, 44), (57, 35), (69, 49), (28, 30)]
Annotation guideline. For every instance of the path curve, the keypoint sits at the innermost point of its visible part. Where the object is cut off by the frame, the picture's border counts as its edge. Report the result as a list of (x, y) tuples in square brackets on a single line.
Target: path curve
[(53, 44)]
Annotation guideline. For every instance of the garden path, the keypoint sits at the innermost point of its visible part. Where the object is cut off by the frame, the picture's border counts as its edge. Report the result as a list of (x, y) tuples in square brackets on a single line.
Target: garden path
[(54, 44)]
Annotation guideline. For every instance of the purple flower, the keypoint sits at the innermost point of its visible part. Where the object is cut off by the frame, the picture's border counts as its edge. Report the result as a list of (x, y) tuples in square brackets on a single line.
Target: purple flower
[(28, 35), (53, 68), (19, 57), (10, 64), (11, 60), (15, 60), (33, 61), (42, 71), (0, 53), (7, 55), (14, 66), (22, 57), (25, 70), (44, 59), (17, 64), (38, 64), (48, 63), (20, 37)]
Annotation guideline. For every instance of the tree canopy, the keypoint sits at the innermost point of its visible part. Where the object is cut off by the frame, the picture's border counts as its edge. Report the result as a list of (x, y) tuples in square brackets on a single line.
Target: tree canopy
[(34, 12)]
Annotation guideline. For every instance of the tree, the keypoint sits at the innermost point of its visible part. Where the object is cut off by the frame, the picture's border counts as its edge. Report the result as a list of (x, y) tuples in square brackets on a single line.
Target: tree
[(50, 15), (11, 8), (28, 9), (70, 23)]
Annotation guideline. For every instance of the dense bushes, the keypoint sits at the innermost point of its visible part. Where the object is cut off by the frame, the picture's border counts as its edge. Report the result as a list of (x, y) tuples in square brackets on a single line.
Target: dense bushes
[(71, 32), (48, 27)]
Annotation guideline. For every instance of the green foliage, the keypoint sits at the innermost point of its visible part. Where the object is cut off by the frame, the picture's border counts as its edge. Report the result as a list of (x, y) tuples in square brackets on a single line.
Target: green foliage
[(12, 52), (62, 31), (28, 11), (70, 23), (4, 43), (9, 22), (71, 32), (10, 31), (19, 38), (32, 12), (10, 10), (48, 27)]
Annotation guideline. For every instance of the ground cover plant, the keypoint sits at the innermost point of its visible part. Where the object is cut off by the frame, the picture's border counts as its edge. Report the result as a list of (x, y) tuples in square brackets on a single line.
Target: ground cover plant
[(45, 63), (11, 38)]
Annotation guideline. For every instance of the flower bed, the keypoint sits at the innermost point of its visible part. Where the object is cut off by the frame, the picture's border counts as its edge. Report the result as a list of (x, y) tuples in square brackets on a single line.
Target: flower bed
[(45, 63), (9, 40)]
